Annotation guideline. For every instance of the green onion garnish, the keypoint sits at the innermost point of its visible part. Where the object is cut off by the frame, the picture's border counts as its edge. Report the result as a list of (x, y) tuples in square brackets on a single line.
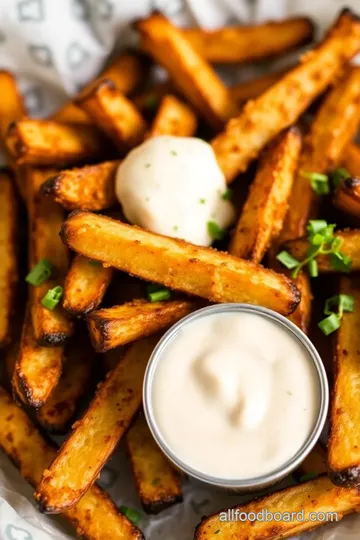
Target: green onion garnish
[(340, 262), (338, 175), (132, 514), (287, 260), (313, 268), (316, 225), (215, 231), (308, 476), (39, 273), (319, 182), (52, 298), (94, 263), (343, 302), (202, 201), (228, 193), (329, 324), (173, 153), (159, 296)]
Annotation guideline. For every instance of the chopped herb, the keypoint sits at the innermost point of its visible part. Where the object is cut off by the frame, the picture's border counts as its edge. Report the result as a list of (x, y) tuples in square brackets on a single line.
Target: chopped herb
[(343, 302), (319, 182), (329, 324), (153, 287), (175, 227), (132, 514), (94, 263), (39, 273), (338, 175), (228, 193), (308, 476), (313, 268), (215, 231), (159, 296), (52, 298), (340, 262), (287, 260), (173, 153), (289, 393), (151, 102), (147, 165), (202, 201)]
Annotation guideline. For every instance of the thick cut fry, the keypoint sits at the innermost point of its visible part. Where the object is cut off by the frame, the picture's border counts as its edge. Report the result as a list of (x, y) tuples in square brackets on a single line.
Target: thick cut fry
[(37, 369), (60, 408), (95, 517), (281, 105), (9, 272), (351, 159), (253, 88), (312, 497), (190, 73), (87, 188), (347, 196), (248, 43), (350, 247), (176, 264), (174, 118), (344, 440), (118, 325), (314, 464), (96, 435), (265, 208), (112, 112), (85, 285), (45, 142), (302, 314), (157, 483)]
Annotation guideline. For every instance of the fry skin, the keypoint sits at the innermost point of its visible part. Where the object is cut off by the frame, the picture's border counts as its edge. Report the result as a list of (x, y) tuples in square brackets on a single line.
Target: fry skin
[(157, 483), (95, 517), (95, 436), (188, 70), (173, 118), (9, 272), (217, 276), (264, 211), (318, 495), (344, 440), (114, 114), (85, 286), (91, 187), (45, 142), (281, 105), (347, 196), (351, 159), (118, 325), (240, 44)]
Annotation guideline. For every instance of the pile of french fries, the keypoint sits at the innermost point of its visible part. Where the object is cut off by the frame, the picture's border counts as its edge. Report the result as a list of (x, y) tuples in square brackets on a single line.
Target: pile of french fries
[(67, 163)]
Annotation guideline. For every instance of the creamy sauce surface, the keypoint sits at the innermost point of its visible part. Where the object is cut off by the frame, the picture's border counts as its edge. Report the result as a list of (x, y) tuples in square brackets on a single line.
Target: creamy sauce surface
[(235, 395), (174, 186)]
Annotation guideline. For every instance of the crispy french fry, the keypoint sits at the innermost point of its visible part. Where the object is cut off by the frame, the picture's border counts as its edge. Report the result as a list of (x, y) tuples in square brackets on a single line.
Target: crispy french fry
[(190, 73), (58, 411), (350, 247), (37, 369), (113, 113), (85, 285), (314, 464), (265, 209), (118, 325), (45, 142), (95, 517), (347, 196), (302, 314), (91, 187), (281, 105), (254, 42), (9, 272), (173, 118), (253, 88), (308, 498), (157, 483), (176, 264), (96, 435), (351, 159), (344, 439)]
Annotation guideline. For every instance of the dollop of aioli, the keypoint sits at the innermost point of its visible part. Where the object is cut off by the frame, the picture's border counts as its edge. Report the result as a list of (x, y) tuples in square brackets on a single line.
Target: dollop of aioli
[(175, 187)]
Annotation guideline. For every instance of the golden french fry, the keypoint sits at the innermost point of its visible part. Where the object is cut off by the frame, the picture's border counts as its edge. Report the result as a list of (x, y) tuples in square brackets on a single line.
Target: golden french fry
[(314, 464), (281, 105), (217, 276), (302, 314), (189, 71), (95, 517), (157, 483), (351, 159), (96, 435), (347, 196), (173, 118)]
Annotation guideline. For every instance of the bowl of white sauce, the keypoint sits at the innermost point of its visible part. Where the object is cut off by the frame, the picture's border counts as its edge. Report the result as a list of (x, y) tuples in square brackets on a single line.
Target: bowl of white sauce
[(236, 396)]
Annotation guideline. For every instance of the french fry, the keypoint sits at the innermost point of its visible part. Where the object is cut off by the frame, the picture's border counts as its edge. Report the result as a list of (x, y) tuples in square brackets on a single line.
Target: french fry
[(264, 211), (85, 286), (217, 276), (173, 118), (238, 44), (351, 159), (344, 439), (253, 88), (189, 72), (308, 498), (91, 187), (118, 325), (114, 114), (314, 464), (95, 436), (302, 314), (58, 411), (95, 517), (350, 247), (45, 142), (9, 272), (281, 105), (347, 196), (157, 483)]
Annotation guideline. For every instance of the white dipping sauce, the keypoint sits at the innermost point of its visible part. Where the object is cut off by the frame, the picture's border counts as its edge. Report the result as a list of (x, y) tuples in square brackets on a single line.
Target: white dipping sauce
[(235, 395), (174, 186)]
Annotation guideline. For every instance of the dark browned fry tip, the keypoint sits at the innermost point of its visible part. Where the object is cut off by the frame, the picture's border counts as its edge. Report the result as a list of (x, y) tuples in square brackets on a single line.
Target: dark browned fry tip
[(346, 11), (93, 89), (296, 297), (50, 186), (102, 325), (54, 339), (351, 182), (45, 508), (347, 477), (11, 128), (155, 507), (27, 393)]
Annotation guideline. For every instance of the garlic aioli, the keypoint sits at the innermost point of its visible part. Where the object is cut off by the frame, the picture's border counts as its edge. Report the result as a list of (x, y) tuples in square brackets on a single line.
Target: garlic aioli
[(235, 395), (175, 187)]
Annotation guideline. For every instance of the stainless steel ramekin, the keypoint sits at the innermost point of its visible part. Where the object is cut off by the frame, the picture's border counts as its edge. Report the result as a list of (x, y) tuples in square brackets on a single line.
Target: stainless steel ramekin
[(248, 483)]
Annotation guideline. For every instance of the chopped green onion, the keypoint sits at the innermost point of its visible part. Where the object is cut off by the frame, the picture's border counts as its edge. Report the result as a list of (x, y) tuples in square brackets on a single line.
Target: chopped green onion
[(330, 324), (316, 226), (344, 302), (153, 287), (287, 260), (319, 182), (340, 262), (338, 175), (94, 263), (173, 153), (39, 273), (215, 231), (159, 296), (313, 268), (226, 196), (336, 243), (316, 240), (132, 514), (202, 201), (52, 298), (308, 476)]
